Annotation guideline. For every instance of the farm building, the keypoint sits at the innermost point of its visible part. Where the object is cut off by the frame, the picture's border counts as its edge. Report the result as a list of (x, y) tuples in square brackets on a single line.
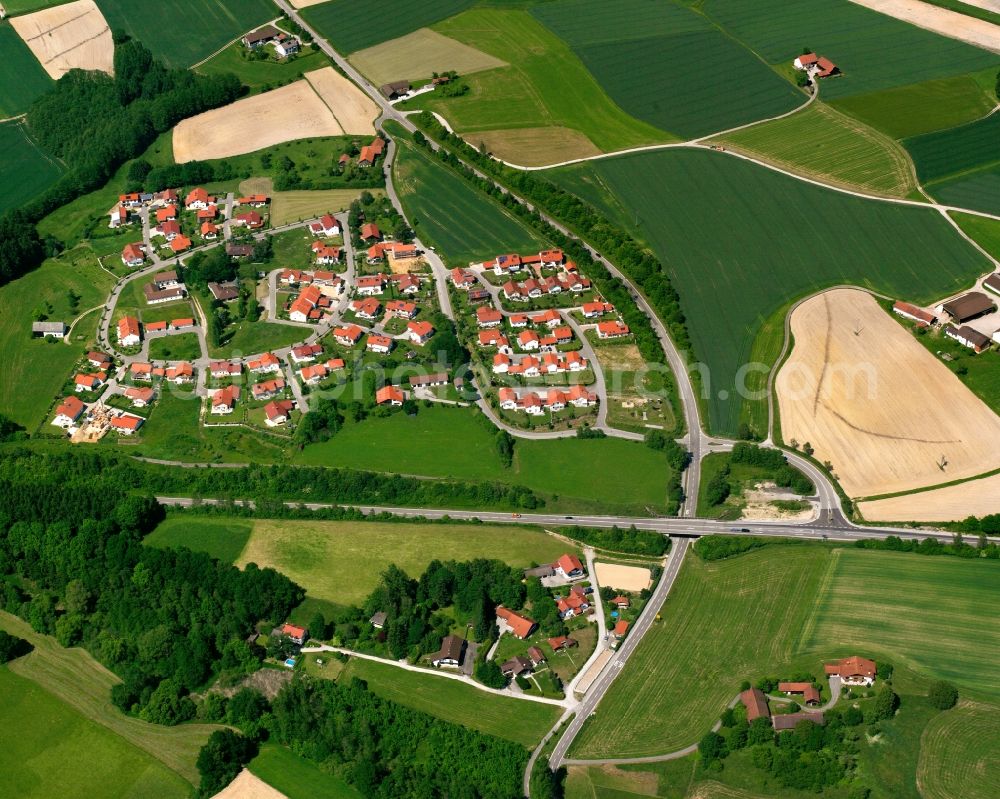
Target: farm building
[(755, 702), (805, 61), (913, 313), (451, 653), (49, 329), (992, 283), (810, 695), (788, 721), (967, 337), (261, 36), (853, 670), (395, 90), (968, 306)]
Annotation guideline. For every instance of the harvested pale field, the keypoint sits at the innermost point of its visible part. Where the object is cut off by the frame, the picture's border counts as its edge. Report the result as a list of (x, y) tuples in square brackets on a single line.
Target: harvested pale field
[(305, 3), (419, 55), (875, 403), (624, 578), (354, 110), (249, 786), (534, 146), (294, 206), (949, 23), (949, 504), (256, 186), (292, 112), (72, 36)]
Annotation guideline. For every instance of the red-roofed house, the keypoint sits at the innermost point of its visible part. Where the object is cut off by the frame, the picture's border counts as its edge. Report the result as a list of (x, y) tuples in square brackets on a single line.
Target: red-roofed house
[(612, 329), (180, 244), (209, 231), (419, 332), (401, 309), (853, 670), (126, 424), (169, 230), (277, 413), (619, 630), (327, 225), (568, 567), (225, 368), (826, 68), (167, 214), (198, 199), (298, 635), (389, 394), (306, 352), (488, 317), (128, 331), (224, 400), (805, 61), (378, 344), (348, 335), (268, 388), (267, 363), (463, 278), (133, 254), (369, 285), (575, 604), (250, 220), (519, 626), (69, 410), (254, 200), (141, 397), (370, 232)]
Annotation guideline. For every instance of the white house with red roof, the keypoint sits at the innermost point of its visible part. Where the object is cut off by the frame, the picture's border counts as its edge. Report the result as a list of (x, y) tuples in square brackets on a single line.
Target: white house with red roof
[(419, 332), (198, 199), (129, 334), (125, 424), (267, 363), (69, 410), (224, 400), (133, 254), (569, 567), (391, 395), (327, 225)]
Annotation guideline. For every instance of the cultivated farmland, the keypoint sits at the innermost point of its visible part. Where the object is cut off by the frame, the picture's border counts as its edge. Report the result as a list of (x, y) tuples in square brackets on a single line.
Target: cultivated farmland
[(875, 403), (341, 562), (420, 54), (874, 51), (958, 755), (949, 504), (22, 79), (349, 27), (70, 36), (742, 241), (292, 112), (463, 224), (291, 206), (534, 146), (353, 108), (514, 720), (653, 66), (824, 144), (956, 151), (979, 191), (545, 85), (25, 171), (296, 777), (183, 32)]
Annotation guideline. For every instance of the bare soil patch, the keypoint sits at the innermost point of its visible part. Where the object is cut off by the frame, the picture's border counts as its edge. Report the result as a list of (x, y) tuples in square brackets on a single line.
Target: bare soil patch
[(535, 146), (949, 504), (875, 403), (953, 24), (71, 36), (419, 55), (249, 786), (292, 112), (354, 110), (305, 3), (624, 578)]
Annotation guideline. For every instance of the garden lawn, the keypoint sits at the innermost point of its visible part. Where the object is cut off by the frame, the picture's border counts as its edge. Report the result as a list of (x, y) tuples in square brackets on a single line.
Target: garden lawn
[(182, 347), (545, 85), (741, 241), (874, 51), (923, 612), (84, 686), (348, 25), (220, 538), (296, 777), (35, 368), (262, 75), (22, 79), (52, 750), (517, 720), (25, 171), (723, 622), (650, 58), (822, 143), (463, 224), (342, 562), (250, 338), (183, 32)]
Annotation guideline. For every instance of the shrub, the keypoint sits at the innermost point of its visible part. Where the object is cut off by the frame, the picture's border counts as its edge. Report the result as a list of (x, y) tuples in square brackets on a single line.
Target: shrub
[(943, 695)]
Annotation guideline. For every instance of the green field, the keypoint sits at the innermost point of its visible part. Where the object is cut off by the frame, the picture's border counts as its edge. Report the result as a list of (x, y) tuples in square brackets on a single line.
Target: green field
[(984, 231), (741, 241), (515, 720), (220, 538), (25, 171), (563, 467), (545, 85), (957, 151), (52, 750), (342, 562), (958, 754), (978, 191), (182, 32), (650, 58), (874, 51), (792, 607), (349, 25), (35, 369), (463, 224), (296, 777), (182, 347), (263, 75), (83, 686), (250, 338), (22, 78), (923, 107), (824, 144)]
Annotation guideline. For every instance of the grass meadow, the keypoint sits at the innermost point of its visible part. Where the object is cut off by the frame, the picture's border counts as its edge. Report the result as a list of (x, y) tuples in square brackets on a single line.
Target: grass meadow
[(958, 754), (83, 685), (742, 241), (822, 143), (546, 85), (263, 75), (25, 171), (462, 223), (296, 777), (35, 368), (220, 538), (874, 51), (22, 79), (342, 562), (984, 231), (650, 59), (511, 719), (182, 347), (183, 32), (293, 206)]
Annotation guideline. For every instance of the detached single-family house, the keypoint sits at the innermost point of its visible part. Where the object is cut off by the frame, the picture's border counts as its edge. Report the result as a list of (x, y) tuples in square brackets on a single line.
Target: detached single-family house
[(268, 388), (267, 363), (277, 413), (327, 225), (853, 670), (260, 37), (141, 397), (516, 666), (389, 395), (133, 254), (568, 567), (452, 652), (518, 625), (369, 285), (561, 642), (297, 635), (69, 410), (125, 424), (348, 335), (381, 345), (419, 332), (612, 329), (224, 400), (488, 317), (128, 331), (222, 369), (198, 200)]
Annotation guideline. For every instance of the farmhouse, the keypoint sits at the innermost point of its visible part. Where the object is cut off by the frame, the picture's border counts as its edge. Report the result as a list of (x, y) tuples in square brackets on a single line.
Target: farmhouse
[(267, 363), (133, 254), (419, 332), (913, 313), (225, 368), (755, 702), (451, 653), (268, 388), (224, 292), (327, 225), (156, 296), (261, 36), (788, 721), (393, 91), (810, 695), (968, 337), (568, 567), (69, 410), (49, 329), (126, 424), (518, 625), (853, 670), (128, 331), (277, 413), (967, 307), (224, 400), (805, 61), (612, 329), (141, 397), (389, 395), (516, 666), (825, 68), (381, 345)]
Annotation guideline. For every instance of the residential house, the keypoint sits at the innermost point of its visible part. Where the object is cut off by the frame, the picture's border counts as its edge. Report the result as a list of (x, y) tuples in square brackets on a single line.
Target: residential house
[(370, 232), (401, 309), (198, 199), (169, 230), (463, 278), (254, 200), (327, 256), (575, 603), (224, 292), (395, 90), (141, 397), (493, 338), (99, 360), (133, 254), (419, 332), (128, 331), (368, 308), (304, 353), (156, 296), (166, 214), (224, 400), (222, 369), (348, 335), (592, 310), (125, 424), (277, 413), (260, 37), (297, 635), (451, 653), (327, 225), (90, 382), (119, 216), (612, 329), (537, 655), (389, 394), (516, 666), (618, 632), (381, 345), (267, 363), (140, 371), (286, 46), (968, 337), (268, 388), (569, 567), (518, 625), (251, 220), (369, 285), (853, 670), (180, 244), (429, 381), (561, 642), (69, 410), (378, 619), (209, 231), (179, 374), (406, 283)]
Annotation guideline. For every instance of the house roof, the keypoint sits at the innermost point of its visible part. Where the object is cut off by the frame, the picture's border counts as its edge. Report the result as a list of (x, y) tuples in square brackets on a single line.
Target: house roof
[(520, 625), (370, 230), (278, 409), (133, 252), (620, 628), (128, 326), (788, 721), (755, 702), (853, 666), (562, 641), (293, 631), (451, 648), (71, 407), (388, 394), (516, 665), (127, 421), (807, 58), (968, 305), (569, 563)]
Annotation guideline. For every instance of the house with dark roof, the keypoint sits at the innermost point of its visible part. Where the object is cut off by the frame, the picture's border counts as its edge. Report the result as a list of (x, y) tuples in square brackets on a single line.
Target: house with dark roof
[(451, 653), (968, 306), (789, 721), (516, 666), (810, 696)]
